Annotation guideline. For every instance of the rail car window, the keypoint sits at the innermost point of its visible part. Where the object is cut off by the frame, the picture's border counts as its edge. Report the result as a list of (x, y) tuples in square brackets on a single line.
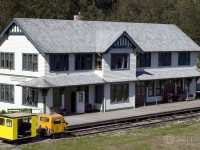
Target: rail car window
[(27, 120), (9, 123), (57, 121), (44, 119), (2, 121)]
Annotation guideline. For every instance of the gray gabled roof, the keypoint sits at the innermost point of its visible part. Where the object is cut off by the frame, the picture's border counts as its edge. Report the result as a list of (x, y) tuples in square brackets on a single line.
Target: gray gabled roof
[(69, 36), (167, 73), (63, 81)]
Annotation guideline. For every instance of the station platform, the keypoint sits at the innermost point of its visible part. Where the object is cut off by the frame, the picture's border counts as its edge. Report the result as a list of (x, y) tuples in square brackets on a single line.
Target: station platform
[(98, 118)]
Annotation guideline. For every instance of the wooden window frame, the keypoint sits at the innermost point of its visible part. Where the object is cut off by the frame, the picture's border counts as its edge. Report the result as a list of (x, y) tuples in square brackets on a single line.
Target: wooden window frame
[(151, 88), (7, 63), (30, 97), (120, 96), (29, 65), (82, 62), (122, 58), (7, 91), (164, 59), (184, 58), (144, 60), (99, 94), (98, 62), (61, 59)]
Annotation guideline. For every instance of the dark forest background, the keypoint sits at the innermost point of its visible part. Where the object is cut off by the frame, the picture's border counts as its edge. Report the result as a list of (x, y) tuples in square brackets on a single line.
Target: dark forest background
[(184, 13)]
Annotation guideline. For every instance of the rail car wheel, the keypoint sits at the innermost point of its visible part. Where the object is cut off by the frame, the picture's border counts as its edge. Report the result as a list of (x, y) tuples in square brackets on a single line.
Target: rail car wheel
[(4, 141), (55, 136), (169, 100), (63, 135)]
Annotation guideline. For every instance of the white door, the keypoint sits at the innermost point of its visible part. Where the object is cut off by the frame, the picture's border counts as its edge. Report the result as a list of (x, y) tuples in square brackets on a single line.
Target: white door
[(80, 102)]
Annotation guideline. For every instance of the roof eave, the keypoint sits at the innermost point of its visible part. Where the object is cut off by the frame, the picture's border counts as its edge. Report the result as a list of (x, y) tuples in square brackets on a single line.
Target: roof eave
[(14, 21)]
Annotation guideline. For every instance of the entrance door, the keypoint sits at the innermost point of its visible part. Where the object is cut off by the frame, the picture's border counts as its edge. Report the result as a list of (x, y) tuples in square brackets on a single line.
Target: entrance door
[(73, 102), (80, 105), (140, 94)]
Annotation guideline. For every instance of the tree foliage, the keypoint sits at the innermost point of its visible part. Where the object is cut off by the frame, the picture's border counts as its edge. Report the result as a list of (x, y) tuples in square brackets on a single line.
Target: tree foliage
[(183, 13)]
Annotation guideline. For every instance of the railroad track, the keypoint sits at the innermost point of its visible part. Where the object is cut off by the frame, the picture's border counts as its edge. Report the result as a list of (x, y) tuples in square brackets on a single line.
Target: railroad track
[(133, 124), (147, 122)]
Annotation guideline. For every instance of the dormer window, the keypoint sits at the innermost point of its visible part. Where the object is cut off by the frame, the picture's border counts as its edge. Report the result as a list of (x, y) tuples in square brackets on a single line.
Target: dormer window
[(7, 60), (120, 61)]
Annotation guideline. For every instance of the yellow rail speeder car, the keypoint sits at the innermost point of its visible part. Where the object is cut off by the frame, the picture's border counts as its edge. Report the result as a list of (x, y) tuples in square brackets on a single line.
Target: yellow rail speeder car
[(52, 125), (17, 126)]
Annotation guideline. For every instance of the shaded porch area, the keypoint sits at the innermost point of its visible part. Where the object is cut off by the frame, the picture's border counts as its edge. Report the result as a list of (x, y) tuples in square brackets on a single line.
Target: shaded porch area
[(164, 85), (69, 94)]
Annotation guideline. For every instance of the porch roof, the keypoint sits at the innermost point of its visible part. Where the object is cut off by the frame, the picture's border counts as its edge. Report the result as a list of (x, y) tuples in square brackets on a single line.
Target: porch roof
[(62, 81), (168, 73)]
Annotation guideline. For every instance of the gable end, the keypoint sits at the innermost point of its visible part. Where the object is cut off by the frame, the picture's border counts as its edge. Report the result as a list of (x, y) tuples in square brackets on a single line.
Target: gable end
[(123, 42), (14, 30)]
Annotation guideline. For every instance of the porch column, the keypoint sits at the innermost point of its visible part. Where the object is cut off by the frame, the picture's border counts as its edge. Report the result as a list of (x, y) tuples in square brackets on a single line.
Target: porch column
[(44, 94), (62, 97)]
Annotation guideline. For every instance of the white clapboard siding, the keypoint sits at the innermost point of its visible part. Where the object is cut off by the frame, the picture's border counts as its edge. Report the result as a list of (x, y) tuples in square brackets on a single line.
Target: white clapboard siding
[(17, 94), (18, 45)]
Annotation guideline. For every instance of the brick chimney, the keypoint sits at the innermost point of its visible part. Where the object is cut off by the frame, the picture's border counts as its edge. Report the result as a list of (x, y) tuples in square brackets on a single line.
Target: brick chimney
[(78, 17)]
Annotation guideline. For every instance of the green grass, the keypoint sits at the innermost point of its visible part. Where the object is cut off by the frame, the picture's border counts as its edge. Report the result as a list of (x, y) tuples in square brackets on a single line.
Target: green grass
[(186, 137)]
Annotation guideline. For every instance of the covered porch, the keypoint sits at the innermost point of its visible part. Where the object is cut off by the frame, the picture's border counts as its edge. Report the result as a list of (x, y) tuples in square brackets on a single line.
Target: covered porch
[(69, 94), (166, 85)]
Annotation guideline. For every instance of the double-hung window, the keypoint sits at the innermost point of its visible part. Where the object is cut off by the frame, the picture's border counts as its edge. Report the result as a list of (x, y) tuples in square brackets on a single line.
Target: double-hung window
[(7, 93), (164, 59), (99, 93), (30, 96), (119, 93), (151, 88), (59, 62), (144, 60), (83, 61), (183, 58), (30, 62), (7, 60), (120, 61)]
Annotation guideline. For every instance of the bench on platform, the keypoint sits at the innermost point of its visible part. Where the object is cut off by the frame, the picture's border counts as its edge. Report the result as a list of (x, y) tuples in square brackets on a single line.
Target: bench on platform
[(56, 110), (89, 108)]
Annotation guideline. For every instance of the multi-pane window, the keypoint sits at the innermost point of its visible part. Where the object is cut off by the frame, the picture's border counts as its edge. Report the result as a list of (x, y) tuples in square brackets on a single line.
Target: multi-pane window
[(7, 93), (144, 60), (120, 61), (158, 88), (2, 121), (59, 62), (164, 59), (183, 58), (99, 93), (119, 93), (98, 62), (7, 60), (30, 62), (83, 61), (57, 97), (151, 88), (30, 97)]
